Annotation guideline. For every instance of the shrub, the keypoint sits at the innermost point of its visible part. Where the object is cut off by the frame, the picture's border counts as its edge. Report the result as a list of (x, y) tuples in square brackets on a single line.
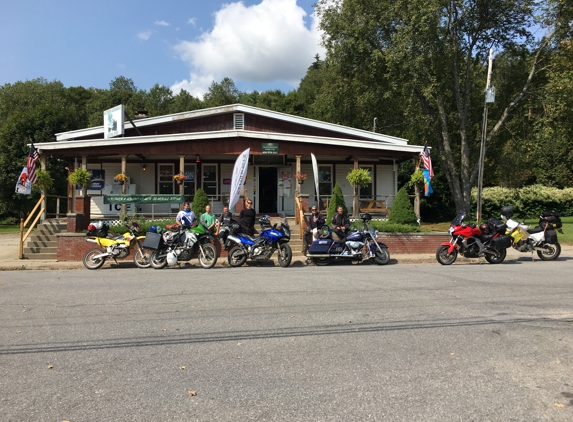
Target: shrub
[(402, 210), (200, 202), (336, 200)]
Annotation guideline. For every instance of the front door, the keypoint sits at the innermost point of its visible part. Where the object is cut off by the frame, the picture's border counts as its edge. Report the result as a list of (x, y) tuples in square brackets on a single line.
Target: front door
[(286, 191), (267, 190)]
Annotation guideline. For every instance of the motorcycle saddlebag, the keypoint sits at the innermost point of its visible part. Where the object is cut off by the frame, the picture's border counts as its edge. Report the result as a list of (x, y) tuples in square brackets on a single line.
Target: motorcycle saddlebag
[(550, 236), (551, 219), (320, 246), (496, 225), (502, 242), (152, 241)]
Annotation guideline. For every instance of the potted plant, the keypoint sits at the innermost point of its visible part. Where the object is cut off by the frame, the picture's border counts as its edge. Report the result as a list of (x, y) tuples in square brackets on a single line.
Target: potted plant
[(44, 180), (121, 178), (357, 178), (179, 178), (81, 177), (300, 177)]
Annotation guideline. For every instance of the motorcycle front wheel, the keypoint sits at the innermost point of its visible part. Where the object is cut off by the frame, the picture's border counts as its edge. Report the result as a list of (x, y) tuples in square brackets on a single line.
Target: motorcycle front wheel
[(496, 258), (92, 263), (551, 252), (142, 258), (284, 255), (237, 256), (156, 261), (382, 256), (444, 257), (321, 262), (208, 258)]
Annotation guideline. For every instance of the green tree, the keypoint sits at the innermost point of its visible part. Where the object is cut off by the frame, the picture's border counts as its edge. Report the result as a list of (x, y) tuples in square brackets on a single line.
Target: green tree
[(222, 93), (336, 200), (185, 102), (402, 210), (200, 201)]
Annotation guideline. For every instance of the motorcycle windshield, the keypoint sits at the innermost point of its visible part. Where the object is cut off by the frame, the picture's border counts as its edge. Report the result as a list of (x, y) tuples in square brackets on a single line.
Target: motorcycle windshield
[(459, 218)]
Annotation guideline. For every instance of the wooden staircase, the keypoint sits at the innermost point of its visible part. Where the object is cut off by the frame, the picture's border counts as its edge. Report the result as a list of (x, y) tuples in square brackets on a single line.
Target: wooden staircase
[(43, 241)]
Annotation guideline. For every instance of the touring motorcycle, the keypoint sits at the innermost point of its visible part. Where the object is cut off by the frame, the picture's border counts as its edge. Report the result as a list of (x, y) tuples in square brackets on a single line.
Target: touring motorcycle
[(542, 239), (179, 244), (115, 247), (359, 245), (466, 239), (271, 239)]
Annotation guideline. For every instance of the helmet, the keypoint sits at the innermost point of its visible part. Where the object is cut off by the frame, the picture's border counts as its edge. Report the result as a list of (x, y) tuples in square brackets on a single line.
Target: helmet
[(484, 228), (171, 258), (366, 217), (152, 229), (265, 221), (91, 228), (506, 211), (98, 224)]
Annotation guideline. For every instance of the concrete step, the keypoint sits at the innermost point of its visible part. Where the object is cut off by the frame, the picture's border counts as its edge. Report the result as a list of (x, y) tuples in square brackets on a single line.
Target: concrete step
[(35, 249), (35, 243), (43, 256)]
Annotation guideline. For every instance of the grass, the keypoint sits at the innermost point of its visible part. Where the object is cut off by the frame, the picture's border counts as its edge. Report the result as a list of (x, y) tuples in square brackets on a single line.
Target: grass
[(9, 228)]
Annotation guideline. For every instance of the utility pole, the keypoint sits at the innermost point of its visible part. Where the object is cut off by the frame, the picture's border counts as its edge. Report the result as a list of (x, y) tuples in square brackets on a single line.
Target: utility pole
[(489, 98)]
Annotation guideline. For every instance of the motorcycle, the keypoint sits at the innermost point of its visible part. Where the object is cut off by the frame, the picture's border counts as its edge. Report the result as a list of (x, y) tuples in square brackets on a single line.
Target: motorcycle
[(181, 243), (262, 247), (466, 239), (359, 245), (115, 247), (542, 239)]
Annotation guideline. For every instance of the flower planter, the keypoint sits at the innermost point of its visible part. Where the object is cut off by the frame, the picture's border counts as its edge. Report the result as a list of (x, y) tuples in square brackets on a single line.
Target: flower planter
[(300, 182)]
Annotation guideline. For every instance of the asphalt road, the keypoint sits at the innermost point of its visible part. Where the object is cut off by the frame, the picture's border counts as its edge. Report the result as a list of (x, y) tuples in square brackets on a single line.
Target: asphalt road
[(475, 342)]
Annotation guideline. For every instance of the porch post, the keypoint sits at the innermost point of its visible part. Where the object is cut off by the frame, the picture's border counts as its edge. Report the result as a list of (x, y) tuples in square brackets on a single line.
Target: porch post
[(417, 190), (297, 210), (355, 199), (85, 167), (44, 201), (123, 211), (182, 171)]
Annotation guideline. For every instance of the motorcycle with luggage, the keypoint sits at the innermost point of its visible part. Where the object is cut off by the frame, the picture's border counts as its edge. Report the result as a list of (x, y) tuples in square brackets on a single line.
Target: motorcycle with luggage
[(180, 244), (272, 238), (488, 240), (115, 247), (359, 246), (541, 239)]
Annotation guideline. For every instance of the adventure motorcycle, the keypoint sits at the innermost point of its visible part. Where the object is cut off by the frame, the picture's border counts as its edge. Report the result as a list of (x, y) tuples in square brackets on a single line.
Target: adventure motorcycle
[(359, 245), (271, 239), (115, 247), (542, 239), (181, 243), (466, 239)]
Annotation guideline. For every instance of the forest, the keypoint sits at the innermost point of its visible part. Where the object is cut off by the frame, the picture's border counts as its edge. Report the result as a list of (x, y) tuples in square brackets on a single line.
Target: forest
[(418, 67)]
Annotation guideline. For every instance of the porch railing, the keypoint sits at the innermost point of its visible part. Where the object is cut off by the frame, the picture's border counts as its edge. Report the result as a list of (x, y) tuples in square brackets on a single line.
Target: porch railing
[(23, 224)]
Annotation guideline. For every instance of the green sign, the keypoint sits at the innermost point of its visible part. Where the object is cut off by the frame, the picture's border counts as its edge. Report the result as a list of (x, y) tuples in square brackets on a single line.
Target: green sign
[(270, 148), (143, 199)]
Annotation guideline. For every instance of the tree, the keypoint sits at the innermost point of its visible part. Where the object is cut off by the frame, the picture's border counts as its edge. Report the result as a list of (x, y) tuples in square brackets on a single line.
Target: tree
[(434, 55), (200, 201), (222, 93), (402, 210), (336, 200)]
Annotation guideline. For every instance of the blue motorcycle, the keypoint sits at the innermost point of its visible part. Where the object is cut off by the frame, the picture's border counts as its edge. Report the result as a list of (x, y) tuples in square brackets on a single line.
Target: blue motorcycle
[(359, 245), (271, 239)]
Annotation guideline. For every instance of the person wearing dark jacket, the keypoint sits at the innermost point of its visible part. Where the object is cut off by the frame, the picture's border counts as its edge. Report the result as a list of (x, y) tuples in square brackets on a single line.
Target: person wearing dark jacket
[(247, 217), (315, 222), (340, 223)]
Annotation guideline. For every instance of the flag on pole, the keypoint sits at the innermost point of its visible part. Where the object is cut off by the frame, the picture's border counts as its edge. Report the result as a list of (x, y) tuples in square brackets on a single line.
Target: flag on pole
[(428, 171), (31, 164), (23, 186), (239, 176)]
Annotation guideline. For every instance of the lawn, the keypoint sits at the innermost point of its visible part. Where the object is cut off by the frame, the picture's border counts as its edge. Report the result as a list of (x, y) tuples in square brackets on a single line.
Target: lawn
[(9, 228)]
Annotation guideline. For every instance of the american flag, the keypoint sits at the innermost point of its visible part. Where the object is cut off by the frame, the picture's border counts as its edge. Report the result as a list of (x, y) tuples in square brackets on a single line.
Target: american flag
[(31, 164), (427, 160)]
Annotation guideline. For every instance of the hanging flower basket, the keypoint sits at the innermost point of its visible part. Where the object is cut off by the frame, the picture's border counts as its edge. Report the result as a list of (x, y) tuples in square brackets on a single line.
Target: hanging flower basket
[(121, 178), (300, 177), (179, 178)]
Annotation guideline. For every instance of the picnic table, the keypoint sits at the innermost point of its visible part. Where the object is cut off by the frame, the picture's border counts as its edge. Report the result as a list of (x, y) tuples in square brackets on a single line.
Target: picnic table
[(373, 206)]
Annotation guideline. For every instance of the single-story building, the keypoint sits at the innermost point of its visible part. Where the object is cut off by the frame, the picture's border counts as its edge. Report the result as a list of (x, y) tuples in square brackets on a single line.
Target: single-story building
[(204, 144)]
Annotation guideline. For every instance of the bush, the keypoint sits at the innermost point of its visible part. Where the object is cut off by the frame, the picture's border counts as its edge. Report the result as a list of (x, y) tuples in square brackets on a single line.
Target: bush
[(199, 203), (402, 210), (336, 200)]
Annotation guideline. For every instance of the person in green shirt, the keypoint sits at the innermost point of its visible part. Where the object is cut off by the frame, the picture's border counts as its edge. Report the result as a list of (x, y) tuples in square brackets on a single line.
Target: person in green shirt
[(209, 220)]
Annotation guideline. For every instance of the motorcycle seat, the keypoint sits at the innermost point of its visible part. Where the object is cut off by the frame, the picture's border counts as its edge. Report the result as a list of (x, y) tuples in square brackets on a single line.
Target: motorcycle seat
[(534, 230)]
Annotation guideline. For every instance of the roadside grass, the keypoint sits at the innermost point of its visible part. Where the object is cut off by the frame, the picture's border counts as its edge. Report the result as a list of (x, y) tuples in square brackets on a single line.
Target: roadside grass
[(9, 228)]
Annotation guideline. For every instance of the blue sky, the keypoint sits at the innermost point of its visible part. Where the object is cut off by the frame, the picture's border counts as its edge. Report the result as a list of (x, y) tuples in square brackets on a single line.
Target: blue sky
[(186, 44)]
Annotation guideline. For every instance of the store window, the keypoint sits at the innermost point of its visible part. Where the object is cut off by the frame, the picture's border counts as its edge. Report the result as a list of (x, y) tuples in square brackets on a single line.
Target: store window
[(325, 180), (366, 192), (165, 179), (210, 185), (190, 184)]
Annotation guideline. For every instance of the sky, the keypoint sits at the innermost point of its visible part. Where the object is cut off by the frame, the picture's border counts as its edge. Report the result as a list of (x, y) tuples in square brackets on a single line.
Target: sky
[(186, 44)]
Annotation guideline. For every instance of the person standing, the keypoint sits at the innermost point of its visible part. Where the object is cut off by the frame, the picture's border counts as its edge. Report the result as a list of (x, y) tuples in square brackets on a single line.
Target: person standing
[(247, 216), (340, 223), (209, 220), (224, 225), (315, 222), (185, 217)]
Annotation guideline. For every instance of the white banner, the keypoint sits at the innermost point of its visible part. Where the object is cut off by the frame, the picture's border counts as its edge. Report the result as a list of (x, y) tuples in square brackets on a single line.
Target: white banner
[(24, 186), (315, 171), (239, 176)]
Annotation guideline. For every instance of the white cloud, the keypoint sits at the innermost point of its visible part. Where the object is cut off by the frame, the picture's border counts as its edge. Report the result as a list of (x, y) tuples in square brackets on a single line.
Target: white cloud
[(144, 35), (192, 21), (268, 42), (161, 23)]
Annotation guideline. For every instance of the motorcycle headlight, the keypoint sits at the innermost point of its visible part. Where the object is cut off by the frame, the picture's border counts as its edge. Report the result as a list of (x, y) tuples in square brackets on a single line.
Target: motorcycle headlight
[(451, 230)]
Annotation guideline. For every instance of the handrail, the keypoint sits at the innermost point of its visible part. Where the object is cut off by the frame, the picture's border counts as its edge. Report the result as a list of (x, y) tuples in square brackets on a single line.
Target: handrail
[(23, 226)]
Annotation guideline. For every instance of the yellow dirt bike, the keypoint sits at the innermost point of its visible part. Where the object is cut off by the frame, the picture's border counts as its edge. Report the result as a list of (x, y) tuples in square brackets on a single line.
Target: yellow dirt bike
[(115, 247)]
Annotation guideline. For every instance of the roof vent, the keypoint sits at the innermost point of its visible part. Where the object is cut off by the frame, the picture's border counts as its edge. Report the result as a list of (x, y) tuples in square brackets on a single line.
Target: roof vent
[(239, 121)]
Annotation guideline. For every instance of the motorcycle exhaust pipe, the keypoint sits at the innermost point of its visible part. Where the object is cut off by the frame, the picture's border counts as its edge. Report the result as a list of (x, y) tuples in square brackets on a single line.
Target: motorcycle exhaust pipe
[(91, 240), (233, 238), (323, 255)]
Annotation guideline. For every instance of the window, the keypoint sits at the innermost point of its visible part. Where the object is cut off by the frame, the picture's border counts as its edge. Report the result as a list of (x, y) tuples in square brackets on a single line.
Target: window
[(325, 180), (210, 185), (165, 179), (190, 184), (367, 191)]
